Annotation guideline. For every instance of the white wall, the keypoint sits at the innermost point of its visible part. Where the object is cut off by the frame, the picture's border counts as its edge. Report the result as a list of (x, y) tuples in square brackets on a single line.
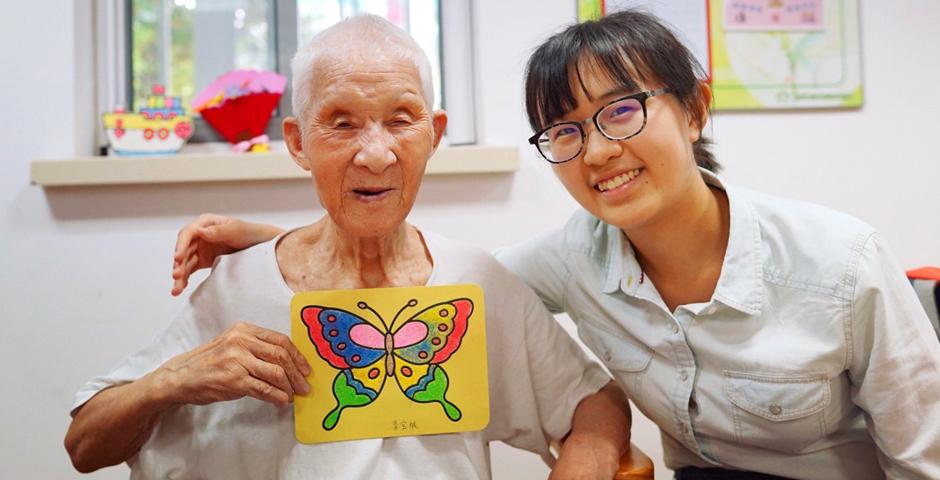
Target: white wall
[(86, 270)]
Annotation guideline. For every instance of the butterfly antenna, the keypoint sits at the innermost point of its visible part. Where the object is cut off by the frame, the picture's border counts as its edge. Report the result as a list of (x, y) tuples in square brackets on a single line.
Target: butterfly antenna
[(365, 306), (410, 303)]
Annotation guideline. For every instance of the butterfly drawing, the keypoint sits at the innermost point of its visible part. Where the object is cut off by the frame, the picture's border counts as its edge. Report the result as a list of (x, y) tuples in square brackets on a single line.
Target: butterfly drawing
[(367, 356)]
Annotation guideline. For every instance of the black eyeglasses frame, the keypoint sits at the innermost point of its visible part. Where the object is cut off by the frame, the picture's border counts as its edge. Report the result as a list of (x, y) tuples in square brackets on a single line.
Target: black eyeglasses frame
[(641, 97)]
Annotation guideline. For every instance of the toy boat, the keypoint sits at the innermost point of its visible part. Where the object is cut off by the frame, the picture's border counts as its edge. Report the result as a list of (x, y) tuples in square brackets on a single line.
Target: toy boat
[(159, 128)]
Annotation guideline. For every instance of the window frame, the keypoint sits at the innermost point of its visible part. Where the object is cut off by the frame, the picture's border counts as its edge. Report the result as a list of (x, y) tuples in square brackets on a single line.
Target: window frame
[(115, 70)]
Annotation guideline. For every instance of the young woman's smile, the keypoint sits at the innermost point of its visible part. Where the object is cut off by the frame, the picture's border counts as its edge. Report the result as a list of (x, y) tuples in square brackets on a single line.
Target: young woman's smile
[(616, 183)]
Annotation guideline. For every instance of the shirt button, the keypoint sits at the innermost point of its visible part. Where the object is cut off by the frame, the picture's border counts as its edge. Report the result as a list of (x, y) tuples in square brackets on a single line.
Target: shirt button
[(685, 376), (684, 429), (776, 409), (675, 328), (607, 356)]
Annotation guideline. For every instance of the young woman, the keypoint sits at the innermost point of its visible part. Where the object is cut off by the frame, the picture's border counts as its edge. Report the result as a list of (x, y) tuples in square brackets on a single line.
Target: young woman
[(766, 337)]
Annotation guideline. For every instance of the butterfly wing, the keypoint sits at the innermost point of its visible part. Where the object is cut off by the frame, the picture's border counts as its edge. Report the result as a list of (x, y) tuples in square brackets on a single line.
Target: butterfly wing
[(353, 345), (443, 326), (355, 387), (335, 332), (425, 383), (424, 341)]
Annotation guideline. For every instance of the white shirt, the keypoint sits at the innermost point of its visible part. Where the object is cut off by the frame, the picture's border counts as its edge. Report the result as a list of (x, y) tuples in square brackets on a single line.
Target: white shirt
[(813, 358), (537, 376)]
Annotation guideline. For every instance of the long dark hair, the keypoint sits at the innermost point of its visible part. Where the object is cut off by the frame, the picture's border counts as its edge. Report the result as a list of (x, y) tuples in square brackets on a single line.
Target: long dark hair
[(625, 46)]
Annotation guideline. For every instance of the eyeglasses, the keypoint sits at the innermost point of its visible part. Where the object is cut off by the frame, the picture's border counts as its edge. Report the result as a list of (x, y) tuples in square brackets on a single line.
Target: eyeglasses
[(620, 119)]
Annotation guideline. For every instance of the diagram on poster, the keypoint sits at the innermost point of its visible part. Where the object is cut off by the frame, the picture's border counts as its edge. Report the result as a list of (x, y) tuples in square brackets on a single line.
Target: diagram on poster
[(688, 19), (391, 361), (764, 54), (785, 54)]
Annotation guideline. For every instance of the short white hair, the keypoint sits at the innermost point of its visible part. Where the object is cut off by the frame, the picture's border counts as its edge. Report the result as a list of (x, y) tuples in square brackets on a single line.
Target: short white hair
[(364, 35)]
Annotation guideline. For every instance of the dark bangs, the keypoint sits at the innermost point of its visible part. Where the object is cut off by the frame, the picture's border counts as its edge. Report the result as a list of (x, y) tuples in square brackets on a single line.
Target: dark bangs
[(627, 47)]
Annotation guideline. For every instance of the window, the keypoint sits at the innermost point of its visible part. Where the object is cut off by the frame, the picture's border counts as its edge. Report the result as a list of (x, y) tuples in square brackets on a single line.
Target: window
[(420, 18), (186, 44)]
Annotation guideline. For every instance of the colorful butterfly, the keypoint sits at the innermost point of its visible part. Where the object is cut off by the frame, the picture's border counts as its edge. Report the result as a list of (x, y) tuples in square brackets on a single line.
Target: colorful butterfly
[(366, 356)]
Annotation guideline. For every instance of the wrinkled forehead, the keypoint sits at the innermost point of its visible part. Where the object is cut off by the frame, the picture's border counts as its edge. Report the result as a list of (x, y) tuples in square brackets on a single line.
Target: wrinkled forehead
[(380, 76)]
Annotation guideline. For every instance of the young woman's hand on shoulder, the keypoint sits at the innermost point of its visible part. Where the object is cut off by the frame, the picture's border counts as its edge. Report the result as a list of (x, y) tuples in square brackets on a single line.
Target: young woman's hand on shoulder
[(207, 237)]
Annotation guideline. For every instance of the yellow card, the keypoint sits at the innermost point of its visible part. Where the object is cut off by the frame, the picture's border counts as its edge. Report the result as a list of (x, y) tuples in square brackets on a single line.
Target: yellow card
[(389, 362)]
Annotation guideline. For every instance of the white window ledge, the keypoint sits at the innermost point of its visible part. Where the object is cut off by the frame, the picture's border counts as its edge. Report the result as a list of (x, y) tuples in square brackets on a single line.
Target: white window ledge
[(221, 167)]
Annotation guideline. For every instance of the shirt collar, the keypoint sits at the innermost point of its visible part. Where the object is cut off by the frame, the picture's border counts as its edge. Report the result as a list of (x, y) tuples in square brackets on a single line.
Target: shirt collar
[(613, 256), (623, 271), (740, 284)]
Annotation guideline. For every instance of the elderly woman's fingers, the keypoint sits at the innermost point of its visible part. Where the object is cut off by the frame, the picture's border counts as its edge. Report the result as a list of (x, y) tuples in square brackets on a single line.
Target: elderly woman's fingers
[(284, 342), (264, 391), (270, 373), (280, 356)]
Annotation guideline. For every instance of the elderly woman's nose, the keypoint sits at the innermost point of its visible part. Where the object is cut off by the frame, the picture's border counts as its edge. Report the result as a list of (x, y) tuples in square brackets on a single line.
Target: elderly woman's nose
[(376, 151)]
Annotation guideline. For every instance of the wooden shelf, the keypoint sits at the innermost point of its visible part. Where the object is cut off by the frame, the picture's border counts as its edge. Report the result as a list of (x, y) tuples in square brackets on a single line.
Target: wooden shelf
[(222, 167)]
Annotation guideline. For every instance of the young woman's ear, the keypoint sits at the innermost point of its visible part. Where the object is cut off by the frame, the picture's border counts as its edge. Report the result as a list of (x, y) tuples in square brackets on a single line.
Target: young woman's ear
[(698, 116)]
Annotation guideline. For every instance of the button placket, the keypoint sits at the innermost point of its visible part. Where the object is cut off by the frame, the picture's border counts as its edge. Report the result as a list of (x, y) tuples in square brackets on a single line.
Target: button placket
[(685, 363)]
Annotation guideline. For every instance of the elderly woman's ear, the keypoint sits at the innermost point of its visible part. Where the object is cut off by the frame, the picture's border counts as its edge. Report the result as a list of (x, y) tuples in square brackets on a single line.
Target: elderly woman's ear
[(293, 137), (439, 121)]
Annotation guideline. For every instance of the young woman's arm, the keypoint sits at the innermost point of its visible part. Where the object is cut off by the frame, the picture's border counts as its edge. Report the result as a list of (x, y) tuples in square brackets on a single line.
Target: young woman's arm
[(895, 366), (600, 433)]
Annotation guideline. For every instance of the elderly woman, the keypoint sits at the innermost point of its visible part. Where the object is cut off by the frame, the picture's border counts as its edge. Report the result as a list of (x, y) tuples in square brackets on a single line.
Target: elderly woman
[(209, 397), (766, 338)]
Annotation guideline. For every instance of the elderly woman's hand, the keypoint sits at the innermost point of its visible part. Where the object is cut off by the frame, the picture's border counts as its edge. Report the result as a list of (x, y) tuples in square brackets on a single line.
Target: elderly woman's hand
[(245, 361), (209, 236)]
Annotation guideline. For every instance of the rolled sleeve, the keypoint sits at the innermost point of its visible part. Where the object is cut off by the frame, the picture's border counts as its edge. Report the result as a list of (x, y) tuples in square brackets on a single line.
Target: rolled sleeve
[(895, 366)]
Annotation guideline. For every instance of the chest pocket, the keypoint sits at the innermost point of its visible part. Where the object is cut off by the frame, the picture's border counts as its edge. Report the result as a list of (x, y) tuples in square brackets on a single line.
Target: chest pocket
[(625, 357), (781, 412)]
